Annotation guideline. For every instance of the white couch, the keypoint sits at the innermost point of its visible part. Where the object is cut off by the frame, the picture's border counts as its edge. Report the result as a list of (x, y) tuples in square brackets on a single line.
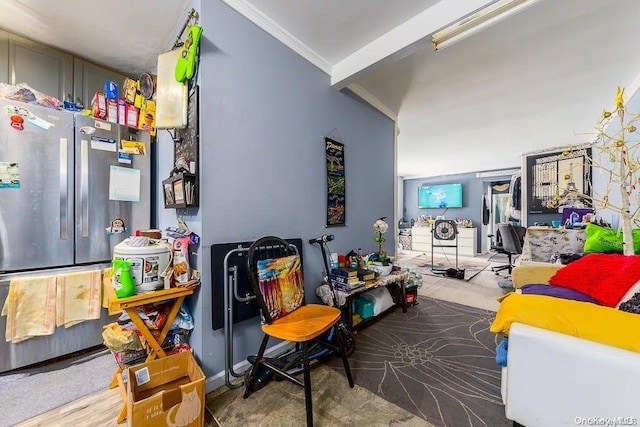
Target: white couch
[(553, 379)]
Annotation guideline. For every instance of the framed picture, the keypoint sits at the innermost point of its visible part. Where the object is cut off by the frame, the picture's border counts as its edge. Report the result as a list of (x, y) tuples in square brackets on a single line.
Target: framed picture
[(552, 174), (168, 194), (178, 191)]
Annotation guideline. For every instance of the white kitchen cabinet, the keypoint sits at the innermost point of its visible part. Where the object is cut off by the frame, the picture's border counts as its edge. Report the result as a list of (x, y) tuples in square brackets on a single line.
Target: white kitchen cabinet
[(466, 241)]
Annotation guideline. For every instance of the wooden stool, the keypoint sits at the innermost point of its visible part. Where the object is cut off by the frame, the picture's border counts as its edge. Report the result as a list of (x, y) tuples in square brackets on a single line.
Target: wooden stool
[(130, 305)]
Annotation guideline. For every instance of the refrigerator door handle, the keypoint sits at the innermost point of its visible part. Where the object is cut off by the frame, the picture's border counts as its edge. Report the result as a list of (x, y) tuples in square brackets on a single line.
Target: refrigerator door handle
[(84, 186), (64, 194)]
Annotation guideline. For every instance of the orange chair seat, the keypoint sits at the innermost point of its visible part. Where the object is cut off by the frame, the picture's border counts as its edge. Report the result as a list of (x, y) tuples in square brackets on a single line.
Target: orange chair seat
[(305, 323)]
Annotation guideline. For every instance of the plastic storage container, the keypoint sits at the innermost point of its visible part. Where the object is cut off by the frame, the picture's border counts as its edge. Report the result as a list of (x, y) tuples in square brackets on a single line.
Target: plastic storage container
[(364, 308)]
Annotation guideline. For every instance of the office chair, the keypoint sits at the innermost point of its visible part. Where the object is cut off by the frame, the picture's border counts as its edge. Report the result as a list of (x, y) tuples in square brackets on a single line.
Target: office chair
[(275, 275), (496, 246), (509, 241)]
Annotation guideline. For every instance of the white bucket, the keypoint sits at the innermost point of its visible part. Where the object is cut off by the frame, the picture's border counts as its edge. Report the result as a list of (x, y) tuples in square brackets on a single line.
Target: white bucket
[(147, 264)]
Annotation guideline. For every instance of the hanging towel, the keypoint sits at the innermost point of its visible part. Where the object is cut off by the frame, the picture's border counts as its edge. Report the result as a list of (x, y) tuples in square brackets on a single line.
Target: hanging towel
[(78, 297), (30, 308), (108, 293)]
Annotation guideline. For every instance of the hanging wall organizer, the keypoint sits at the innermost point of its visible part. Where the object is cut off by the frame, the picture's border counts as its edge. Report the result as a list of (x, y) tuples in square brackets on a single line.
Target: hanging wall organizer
[(181, 188)]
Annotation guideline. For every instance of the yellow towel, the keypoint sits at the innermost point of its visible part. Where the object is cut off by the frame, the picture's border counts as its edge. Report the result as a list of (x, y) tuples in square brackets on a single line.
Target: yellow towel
[(78, 297), (30, 308), (108, 293)]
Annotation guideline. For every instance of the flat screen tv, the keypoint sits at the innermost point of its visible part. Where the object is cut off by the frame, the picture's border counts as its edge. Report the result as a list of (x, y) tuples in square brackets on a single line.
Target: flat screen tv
[(440, 196)]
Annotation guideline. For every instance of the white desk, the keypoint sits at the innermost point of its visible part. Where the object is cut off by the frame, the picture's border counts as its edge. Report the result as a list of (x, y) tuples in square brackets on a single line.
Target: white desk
[(540, 243), (466, 240)]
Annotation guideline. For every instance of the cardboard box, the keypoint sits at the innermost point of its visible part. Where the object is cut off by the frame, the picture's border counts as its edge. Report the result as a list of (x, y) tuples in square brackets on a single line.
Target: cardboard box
[(112, 111), (130, 88), (147, 120), (110, 90), (99, 105), (131, 116), (122, 112), (166, 392)]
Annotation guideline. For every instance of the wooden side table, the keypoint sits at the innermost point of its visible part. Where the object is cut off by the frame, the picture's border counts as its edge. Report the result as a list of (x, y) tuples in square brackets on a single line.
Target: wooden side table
[(130, 305)]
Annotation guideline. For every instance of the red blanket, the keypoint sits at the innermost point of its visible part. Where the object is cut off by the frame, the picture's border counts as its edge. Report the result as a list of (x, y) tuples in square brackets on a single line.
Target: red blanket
[(605, 277)]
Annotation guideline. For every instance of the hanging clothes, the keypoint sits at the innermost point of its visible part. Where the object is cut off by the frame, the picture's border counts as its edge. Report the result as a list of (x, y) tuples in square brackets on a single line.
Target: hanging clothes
[(485, 210), (515, 197)]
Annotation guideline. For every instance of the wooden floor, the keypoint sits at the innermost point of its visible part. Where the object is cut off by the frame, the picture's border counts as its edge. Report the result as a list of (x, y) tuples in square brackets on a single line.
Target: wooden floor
[(96, 410)]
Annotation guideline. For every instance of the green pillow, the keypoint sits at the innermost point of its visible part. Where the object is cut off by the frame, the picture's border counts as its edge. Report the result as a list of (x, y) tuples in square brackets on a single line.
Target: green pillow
[(606, 240)]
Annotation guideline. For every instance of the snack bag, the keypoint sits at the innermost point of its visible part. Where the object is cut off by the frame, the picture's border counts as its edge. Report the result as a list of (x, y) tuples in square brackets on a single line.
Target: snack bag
[(181, 271)]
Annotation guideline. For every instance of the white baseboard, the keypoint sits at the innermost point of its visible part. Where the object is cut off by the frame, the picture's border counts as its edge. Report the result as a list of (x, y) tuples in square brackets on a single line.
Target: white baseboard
[(218, 380)]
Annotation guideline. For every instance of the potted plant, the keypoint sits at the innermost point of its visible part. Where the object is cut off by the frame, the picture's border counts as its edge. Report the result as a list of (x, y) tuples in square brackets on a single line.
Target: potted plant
[(380, 227)]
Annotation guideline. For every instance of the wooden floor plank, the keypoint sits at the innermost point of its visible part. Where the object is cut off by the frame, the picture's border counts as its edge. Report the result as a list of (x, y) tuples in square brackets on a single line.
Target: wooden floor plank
[(96, 410)]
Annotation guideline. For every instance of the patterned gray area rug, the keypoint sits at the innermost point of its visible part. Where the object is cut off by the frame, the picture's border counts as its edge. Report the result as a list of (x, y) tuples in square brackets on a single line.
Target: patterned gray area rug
[(437, 361)]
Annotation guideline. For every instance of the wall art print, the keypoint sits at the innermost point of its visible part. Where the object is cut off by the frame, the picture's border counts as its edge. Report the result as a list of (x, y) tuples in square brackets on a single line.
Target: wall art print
[(281, 284), (336, 214)]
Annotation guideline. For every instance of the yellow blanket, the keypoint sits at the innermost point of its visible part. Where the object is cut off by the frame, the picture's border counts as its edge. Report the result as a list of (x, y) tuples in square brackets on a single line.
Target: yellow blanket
[(585, 320), (79, 297), (30, 308)]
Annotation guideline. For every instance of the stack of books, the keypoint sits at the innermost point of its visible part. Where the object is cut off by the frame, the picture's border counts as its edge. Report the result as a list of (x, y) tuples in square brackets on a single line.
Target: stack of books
[(366, 275), (345, 280)]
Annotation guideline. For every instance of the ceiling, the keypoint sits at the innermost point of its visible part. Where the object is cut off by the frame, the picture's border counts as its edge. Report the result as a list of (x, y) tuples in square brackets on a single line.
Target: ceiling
[(98, 30), (530, 82)]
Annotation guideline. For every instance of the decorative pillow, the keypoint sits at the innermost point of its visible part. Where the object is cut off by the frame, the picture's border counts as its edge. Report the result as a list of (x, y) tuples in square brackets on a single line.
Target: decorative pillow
[(605, 277), (281, 284), (606, 240), (579, 319), (558, 292)]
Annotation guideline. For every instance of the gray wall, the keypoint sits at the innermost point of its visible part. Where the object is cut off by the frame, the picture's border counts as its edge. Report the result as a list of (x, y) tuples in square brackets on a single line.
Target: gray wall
[(473, 189), (264, 111)]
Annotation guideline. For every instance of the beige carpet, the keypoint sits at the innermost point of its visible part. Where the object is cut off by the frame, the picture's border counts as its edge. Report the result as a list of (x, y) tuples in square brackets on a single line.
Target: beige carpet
[(480, 292), (434, 266), (281, 404)]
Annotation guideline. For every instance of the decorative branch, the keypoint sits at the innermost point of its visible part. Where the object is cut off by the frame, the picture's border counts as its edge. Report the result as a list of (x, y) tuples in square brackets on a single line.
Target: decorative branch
[(622, 152)]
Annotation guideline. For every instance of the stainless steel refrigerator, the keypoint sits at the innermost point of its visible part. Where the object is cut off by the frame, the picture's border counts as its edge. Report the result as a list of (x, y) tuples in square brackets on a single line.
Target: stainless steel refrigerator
[(59, 175)]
